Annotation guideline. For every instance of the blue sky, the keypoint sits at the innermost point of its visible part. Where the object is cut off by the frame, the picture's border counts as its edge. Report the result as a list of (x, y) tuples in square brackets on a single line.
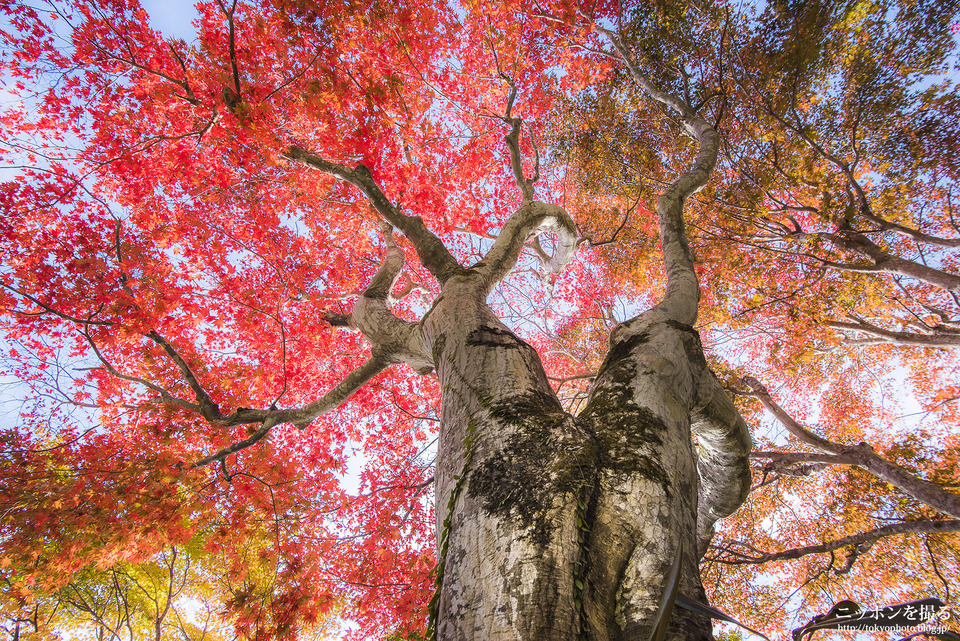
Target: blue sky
[(173, 18)]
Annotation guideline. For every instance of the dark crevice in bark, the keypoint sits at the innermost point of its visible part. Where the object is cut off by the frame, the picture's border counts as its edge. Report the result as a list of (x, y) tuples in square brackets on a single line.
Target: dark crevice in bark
[(495, 337), (587, 508), (691, 343), (622, 349), (614, 415)]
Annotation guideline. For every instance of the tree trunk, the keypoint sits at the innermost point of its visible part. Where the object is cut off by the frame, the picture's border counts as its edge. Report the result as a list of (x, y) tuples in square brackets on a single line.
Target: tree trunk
[(558, 527)]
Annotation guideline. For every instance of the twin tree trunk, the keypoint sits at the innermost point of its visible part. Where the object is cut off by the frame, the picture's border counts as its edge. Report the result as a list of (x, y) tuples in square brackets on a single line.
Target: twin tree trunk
[(555, 527), (559, 527)]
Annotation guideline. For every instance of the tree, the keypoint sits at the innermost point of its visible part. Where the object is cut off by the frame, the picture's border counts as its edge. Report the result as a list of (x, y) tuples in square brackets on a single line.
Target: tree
[(823, 110), (192, 233)]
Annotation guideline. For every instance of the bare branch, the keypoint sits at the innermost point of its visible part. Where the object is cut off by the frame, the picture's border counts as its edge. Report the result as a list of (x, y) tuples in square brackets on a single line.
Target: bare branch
[(164, 394), (865, 457), (856, 541), (50, 310), (613, 238), (432, 253)]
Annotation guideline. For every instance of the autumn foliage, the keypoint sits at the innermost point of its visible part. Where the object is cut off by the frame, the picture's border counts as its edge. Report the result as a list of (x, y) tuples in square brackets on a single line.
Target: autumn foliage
[(169, 268)]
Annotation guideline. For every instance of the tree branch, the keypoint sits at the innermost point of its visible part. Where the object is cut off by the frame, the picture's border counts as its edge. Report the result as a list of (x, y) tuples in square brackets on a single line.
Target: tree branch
[(864, 456), (432, 253), (50, 310), (865, 209), (857, 541), (934, 339), (164, 394), (620, 227), (391, 339), (302, 416), (208, 408), (855, 241), (516, 161), (231, 26), (723, 439), (786, 463), (682, 297), (513, 141), (532, 218)]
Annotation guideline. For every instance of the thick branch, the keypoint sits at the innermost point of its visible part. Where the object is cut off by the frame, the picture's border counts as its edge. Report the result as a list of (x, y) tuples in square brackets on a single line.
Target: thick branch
[(883, 260), (861, 540), (903, 230), (682, 297), (800, 463), (301, 416), (513, 140), (433, 255), (386, 277), (865, 457), (934, 339), (532, 218), (392, 339)]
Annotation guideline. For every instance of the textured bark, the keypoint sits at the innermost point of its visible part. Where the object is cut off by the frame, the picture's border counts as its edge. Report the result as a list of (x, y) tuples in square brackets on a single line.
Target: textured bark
[(559, 527), (506, 480), (533, 503), (883, 261), (645, 502)]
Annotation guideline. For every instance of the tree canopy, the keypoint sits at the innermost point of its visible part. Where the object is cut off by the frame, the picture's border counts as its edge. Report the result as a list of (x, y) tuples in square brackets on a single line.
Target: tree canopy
[(207, 433)]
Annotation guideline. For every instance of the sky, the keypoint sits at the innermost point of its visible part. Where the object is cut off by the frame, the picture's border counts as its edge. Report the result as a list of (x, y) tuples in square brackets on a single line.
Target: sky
[(173, 18)]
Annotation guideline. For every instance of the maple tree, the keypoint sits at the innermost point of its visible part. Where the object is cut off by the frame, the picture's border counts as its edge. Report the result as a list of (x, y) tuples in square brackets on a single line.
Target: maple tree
[(397, 235)]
